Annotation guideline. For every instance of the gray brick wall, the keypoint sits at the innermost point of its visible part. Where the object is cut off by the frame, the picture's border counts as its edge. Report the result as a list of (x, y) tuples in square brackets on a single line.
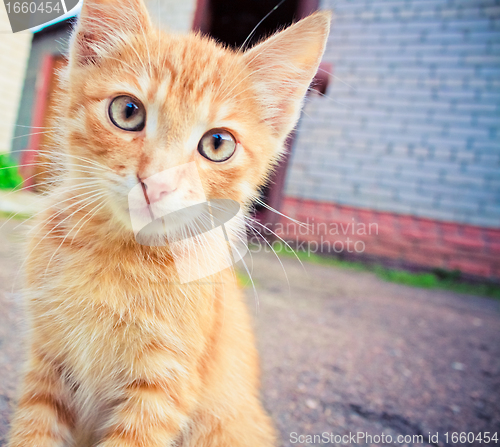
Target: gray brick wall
[(411, 121)]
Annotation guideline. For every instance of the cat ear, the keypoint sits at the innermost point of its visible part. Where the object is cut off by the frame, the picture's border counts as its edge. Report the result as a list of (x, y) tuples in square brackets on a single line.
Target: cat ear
[(102, 25), (283, 67)]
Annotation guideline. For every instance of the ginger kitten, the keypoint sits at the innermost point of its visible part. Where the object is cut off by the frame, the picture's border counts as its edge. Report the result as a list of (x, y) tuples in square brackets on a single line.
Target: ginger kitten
[(124, 349)]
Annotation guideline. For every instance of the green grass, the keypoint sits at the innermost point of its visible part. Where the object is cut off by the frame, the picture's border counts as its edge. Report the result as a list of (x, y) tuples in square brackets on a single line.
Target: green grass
[(425, 280), (436, 279), (14, 216), (9, 173)]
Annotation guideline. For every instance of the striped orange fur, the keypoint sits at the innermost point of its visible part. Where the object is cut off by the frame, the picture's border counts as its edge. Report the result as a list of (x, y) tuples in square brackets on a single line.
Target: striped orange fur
[(121, 353)]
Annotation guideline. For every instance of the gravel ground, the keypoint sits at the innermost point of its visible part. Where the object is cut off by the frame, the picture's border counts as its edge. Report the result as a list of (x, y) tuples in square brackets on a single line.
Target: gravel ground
[(342, 352)]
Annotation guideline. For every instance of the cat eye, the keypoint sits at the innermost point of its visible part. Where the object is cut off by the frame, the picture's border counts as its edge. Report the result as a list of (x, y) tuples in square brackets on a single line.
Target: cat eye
[(127, 113), (217, 145)]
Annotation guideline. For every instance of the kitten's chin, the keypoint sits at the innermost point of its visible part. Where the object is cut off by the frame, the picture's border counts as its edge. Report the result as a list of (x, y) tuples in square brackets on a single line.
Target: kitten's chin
[(165, 231), (141, 224), (153, 235)]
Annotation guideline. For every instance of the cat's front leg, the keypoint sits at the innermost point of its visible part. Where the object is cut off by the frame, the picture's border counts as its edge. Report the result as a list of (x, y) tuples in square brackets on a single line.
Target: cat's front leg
[(152, 415), (43, 417)]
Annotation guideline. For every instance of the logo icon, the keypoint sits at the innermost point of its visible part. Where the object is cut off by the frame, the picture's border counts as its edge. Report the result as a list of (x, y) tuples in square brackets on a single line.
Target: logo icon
[(26, 14)]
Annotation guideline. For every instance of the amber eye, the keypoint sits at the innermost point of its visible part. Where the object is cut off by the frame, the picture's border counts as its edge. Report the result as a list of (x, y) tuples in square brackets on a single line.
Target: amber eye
[(217, 145), (127, 113)]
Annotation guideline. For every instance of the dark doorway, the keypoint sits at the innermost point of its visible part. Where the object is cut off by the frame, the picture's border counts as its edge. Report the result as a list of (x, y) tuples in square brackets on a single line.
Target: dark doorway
[(231, 22)]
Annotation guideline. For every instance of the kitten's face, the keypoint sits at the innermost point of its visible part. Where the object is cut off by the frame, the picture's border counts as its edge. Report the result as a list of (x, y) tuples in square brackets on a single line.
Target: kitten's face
[(141, 117), (142, 103)]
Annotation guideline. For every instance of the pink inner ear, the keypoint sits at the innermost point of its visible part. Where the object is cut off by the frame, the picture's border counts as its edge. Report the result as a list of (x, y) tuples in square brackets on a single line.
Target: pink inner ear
[(283, 67)]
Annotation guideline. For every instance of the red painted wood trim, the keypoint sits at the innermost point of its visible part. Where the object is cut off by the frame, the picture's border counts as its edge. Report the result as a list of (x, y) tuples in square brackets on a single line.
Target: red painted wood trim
[(322, 78), (275, 195), (306, 7), (40, 106), (199, 19)]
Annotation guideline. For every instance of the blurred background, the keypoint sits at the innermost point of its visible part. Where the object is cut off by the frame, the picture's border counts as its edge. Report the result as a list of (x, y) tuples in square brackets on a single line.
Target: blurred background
[(395, 169)]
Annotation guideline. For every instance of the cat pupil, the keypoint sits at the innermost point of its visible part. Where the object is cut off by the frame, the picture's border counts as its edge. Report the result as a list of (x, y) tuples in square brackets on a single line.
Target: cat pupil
[(217, 141), (130, 109)]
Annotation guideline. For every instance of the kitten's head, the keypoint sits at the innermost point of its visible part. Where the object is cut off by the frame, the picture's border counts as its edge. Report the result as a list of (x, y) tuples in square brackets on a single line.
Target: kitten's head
[(142, 102)]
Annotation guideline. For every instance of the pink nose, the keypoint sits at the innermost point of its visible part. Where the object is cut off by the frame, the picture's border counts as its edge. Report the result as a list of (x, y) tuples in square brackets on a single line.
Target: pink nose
[(156, 189)]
